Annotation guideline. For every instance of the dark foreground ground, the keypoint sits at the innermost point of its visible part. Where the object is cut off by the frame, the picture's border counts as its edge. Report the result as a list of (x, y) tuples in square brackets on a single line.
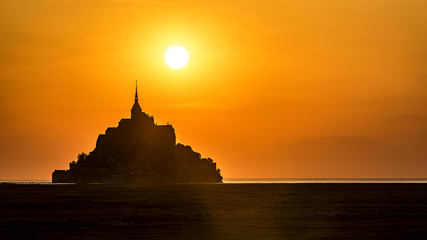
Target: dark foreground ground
[(216, 211)]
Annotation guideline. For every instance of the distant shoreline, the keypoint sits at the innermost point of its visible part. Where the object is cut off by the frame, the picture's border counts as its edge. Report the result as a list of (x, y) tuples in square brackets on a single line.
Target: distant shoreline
[(275, 180), (325, 180)]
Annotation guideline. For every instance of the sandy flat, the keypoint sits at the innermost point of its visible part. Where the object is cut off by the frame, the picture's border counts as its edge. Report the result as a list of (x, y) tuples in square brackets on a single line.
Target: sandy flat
[(214, 211)]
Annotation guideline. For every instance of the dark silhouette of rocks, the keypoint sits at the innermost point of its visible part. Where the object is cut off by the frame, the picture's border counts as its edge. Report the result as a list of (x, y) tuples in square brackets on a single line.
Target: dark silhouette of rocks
[(139, 151)]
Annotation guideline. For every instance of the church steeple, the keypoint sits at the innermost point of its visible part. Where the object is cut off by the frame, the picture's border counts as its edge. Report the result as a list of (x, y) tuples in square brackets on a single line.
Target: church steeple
[(136, 109), (136, 91)]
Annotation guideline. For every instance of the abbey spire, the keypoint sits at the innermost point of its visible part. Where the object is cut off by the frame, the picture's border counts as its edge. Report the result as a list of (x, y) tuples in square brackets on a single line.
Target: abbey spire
[(136, 91), (136, 109)]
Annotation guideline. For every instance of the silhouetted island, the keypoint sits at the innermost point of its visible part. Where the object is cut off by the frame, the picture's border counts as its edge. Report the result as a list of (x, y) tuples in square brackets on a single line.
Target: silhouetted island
[(139, 151)]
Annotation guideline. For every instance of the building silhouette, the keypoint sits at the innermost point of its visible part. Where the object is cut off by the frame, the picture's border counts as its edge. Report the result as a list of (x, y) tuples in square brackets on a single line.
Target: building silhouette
[(139, 151)]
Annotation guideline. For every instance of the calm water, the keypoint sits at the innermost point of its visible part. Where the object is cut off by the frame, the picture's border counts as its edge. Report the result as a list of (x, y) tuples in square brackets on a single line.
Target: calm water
[(315, 210), (325, 180)]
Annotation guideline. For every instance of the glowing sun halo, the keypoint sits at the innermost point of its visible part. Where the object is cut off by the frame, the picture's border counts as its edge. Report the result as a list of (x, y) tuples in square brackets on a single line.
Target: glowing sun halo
[(176, 57)]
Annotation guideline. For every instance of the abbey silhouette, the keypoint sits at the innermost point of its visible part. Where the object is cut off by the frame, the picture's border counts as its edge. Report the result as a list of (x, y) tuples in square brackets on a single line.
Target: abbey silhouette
[(139, 151)]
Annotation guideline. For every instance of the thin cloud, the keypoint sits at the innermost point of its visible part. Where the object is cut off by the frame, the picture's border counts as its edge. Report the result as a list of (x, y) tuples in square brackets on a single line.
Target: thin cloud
[(147, 2), (332, 140), (339, 140), (192, 105)]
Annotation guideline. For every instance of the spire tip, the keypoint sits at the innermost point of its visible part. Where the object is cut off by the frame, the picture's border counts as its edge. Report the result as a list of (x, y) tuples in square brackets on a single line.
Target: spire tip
[(136, 91)]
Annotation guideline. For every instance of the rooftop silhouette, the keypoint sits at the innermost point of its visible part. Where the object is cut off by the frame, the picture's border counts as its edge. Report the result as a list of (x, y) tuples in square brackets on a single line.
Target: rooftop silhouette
[(139, 151)]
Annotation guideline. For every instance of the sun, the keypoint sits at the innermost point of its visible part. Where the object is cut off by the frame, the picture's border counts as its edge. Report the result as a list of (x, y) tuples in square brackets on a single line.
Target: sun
[(176, 57)]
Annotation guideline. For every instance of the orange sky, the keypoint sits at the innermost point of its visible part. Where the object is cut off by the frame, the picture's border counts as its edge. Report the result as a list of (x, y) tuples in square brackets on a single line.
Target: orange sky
[(272, 89)]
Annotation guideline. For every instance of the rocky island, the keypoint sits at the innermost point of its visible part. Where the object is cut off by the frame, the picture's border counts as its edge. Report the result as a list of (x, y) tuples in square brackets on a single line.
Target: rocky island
[(142, 152)]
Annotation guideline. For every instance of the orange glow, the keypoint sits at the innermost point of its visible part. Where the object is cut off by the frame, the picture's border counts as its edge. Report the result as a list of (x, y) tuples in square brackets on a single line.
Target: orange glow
[(273, 88)]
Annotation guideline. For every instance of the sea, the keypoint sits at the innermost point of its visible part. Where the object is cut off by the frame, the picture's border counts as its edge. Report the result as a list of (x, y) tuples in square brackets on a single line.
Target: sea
[(238, 209)]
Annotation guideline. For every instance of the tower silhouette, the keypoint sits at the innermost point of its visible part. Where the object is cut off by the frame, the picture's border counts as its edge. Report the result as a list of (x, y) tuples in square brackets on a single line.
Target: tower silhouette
[(136, 109)]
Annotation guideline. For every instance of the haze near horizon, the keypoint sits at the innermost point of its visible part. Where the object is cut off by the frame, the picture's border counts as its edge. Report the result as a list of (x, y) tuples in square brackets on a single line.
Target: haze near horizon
[(274, 89)]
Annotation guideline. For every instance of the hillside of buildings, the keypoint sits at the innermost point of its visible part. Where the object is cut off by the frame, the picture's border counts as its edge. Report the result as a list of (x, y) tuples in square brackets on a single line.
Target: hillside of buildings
[(139, 151)]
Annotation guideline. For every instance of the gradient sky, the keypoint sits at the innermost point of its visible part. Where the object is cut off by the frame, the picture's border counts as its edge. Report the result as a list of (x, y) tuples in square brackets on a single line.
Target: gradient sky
[(289, 88)]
